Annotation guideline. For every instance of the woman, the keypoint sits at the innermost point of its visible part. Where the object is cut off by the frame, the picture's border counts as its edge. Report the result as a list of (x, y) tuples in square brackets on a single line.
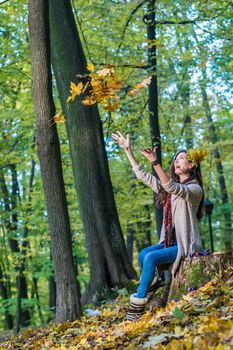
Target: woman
[(182, 197)]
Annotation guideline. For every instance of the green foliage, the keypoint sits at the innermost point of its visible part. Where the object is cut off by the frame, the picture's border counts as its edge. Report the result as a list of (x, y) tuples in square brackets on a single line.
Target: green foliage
[(189, 56), (177, 313)]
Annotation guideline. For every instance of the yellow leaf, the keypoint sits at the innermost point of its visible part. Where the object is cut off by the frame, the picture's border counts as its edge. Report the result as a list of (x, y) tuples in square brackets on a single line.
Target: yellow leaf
[(146, 81), (85, 87), (77, 88), (112, 107), (133, 92), (197, 155), (70, 98), (90, 67), (74, 90), (106, 70), (139, 86), (89, 100), (58, 119)]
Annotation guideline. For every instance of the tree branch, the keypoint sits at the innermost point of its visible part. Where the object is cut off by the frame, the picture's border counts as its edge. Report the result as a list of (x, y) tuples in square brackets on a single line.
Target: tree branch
[(166, 22), (126, 65), (127, 23), (3, 2), (197, 19)]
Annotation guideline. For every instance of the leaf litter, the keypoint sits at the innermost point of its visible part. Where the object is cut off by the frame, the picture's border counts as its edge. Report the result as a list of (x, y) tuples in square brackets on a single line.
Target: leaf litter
[(201, 319)]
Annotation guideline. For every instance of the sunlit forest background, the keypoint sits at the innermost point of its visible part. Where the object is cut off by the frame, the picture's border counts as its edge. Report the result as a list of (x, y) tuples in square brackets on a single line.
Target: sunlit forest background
[(194, 63)]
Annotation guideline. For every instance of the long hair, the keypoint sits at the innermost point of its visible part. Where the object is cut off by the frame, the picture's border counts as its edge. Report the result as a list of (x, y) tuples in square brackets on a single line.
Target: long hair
[(195, 173)]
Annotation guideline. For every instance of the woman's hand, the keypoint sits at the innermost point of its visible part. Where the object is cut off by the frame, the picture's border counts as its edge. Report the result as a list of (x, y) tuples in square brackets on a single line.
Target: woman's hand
[(122, 141), (149, 153)]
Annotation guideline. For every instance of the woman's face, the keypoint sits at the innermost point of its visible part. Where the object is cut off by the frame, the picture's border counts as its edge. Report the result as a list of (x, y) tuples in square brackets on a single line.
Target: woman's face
[(182, 165)]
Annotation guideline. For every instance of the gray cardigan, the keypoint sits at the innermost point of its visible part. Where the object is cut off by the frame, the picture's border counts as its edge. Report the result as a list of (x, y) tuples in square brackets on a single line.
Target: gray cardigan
[(185, 202)]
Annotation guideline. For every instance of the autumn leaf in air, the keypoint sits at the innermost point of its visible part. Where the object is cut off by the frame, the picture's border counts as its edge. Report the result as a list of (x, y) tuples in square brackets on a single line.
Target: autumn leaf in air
[(88, 101), (112, 108), (75, 90), (139, 86), (108, 69), (90, 67), (104, 86), (58, 119)]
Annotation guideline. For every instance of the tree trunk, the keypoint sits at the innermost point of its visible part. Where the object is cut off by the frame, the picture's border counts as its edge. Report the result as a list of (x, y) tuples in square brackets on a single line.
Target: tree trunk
[(193, 273), (143, 238), (222, 184), (5, 296), (149, 19), (108, 258), (213, 137), (52, 296), (185, 84), (130, 240), (68, 294), (11, 221), (185, 95), (36, 294), (196, 272)]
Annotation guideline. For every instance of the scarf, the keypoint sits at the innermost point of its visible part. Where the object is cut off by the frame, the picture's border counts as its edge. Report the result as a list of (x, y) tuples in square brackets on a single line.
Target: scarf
[(169, 230)]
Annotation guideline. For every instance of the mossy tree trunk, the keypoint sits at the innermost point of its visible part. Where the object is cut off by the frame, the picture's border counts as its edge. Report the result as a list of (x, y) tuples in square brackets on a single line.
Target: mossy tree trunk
[(196, 272), (193, 273), (153, 103), (108, 258)]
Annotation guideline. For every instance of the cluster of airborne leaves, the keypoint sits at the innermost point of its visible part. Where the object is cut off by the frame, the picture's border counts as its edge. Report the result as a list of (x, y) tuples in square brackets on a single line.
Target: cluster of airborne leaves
[(202, 319), (103, 87)]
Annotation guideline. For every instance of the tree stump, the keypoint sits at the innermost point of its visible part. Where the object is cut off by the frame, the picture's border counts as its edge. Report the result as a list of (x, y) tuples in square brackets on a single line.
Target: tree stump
[(193, 273)]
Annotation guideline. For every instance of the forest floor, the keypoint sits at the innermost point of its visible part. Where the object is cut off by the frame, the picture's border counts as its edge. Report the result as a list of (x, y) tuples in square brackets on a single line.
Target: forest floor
[(201, 319)]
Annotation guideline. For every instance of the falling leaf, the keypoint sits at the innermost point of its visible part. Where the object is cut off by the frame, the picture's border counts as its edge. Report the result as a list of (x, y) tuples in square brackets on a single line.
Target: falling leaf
[(146, 81), (90, 67), (58, 119), (89, 101), (75, 90), (112, 107), (108, 69), (139, 86)]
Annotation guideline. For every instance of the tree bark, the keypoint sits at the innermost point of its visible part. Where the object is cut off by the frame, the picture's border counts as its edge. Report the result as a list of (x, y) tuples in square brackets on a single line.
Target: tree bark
[(52, 295), (196, 272), (213, 137), (108, 258), (130, 240), (11, 221), (68, 295), (36, 294), (221, 179), (5, 296), (185, 95), (193, 273), (153, 103)]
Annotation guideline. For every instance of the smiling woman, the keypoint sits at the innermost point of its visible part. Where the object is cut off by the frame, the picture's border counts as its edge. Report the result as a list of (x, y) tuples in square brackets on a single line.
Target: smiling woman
[(181, 196)]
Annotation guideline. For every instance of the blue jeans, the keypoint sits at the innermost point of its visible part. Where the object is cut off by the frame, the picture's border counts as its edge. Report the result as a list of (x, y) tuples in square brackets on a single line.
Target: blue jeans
[(149, 258)]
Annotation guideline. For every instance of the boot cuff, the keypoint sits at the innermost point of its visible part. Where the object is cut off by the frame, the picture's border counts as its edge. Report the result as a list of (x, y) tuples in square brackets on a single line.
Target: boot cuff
[(138, 301)]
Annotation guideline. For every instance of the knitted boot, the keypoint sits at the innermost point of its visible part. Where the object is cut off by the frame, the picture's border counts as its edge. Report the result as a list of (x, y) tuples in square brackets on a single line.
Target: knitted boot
[(136, 308)]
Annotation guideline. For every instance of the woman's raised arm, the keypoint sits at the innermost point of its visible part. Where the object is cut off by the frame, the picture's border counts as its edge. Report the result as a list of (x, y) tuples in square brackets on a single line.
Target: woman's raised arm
[(124, 142)]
